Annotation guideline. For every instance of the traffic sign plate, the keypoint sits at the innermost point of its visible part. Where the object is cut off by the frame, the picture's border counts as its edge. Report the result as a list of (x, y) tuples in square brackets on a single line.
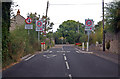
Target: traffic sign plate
[(28, 20), (28, 26), (89, 24), (39, 25)]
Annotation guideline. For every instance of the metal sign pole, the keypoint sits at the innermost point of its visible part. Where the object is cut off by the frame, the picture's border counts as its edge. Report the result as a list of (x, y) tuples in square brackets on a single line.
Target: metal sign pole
[(88, 40), (38, 36)]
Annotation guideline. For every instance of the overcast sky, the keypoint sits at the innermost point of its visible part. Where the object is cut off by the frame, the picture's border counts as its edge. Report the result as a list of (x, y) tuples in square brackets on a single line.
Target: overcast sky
[(58, 11)]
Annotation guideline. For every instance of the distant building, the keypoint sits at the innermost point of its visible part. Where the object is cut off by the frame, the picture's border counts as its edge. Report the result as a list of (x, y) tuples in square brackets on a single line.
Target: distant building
[(18, 20)]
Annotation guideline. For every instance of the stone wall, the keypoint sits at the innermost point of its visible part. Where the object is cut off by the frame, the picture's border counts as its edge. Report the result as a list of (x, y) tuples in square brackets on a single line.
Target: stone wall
[(114, 42)]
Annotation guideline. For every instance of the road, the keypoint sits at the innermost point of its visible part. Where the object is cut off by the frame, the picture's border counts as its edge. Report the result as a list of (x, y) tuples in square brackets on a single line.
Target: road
[(64, 61)]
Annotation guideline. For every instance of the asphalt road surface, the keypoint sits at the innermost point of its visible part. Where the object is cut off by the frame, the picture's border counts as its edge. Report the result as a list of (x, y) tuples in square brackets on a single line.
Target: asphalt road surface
[(64, 61)]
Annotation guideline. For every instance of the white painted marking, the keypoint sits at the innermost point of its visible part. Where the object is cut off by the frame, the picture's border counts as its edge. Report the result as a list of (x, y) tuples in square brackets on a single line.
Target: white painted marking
[(48, 57), (67, 51), (50, 51), (70, 76), (64, 54), (62, 48), (65, 58), (58, 51), (67, 65), (44, 55), (77, 51), (29, 57)]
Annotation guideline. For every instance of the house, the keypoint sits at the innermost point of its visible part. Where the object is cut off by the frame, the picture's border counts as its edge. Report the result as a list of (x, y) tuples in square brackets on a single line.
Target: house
[(18, 20)]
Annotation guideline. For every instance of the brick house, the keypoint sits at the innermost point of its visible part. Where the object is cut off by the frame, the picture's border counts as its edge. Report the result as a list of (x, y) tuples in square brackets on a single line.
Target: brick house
[(18, 20)]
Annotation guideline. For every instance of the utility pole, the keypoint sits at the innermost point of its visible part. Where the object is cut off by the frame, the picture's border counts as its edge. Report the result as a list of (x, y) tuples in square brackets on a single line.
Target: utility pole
[(103, 27), (46, 14), (78, 26)]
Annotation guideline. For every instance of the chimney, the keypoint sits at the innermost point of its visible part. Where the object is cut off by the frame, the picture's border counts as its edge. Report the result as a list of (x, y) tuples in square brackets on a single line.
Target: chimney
[(18, 12)]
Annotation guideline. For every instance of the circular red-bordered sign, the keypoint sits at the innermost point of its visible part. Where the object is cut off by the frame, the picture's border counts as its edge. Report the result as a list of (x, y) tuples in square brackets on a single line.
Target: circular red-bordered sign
[(28, 20), (90, 22), (39, 23)]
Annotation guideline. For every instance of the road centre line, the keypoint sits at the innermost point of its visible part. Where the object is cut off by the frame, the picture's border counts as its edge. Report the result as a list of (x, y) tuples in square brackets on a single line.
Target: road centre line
[(50, 52), (65, 58), (29, 57), (62, 48), (70, 76), (64, 54), (67, 65)]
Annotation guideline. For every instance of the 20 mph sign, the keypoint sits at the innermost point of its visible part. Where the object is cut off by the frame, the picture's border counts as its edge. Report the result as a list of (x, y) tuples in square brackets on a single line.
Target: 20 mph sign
[(39, 25), (89, 24)]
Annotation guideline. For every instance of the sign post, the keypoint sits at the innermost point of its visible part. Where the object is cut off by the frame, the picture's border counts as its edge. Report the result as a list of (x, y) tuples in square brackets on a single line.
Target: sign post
[(44, 45), (89, 23), (41, 46), (39, 27), (28, 24)]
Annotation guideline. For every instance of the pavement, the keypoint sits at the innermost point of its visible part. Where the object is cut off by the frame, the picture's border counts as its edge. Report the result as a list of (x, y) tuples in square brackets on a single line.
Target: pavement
[(113, 57)]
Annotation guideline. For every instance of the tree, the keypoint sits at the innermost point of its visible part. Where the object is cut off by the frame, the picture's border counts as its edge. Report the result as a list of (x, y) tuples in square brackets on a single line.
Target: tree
[(69, 30), (113, 16)]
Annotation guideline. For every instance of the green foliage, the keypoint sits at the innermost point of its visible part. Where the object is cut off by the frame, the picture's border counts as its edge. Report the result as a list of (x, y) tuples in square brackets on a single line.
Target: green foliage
[(5, 30), (69, 30), (98, 35), (113, 17)]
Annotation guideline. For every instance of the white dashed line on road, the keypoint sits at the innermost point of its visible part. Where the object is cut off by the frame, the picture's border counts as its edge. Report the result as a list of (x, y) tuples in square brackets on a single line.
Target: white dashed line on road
[(65, 58), (50, 52), (29, 57), (62, 48), (67, 65), (77, 51), (70, 76), (67, 51)]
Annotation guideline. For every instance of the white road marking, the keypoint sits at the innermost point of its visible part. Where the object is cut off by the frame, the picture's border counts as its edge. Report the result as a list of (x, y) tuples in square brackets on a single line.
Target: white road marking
[(64, 54), (50, 51), (29, 57), (60, 51), (77, 51), (48, 57), (44, 55), (65, 58), (67, 65), (67, 51), (62, 48), (83, 51), (70, 76)]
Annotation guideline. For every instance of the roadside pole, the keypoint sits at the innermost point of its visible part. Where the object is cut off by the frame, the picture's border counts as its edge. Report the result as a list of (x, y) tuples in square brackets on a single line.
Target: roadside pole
[(83, 46), (88, 32), (89, 23), (28, 32), (38, 39)]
